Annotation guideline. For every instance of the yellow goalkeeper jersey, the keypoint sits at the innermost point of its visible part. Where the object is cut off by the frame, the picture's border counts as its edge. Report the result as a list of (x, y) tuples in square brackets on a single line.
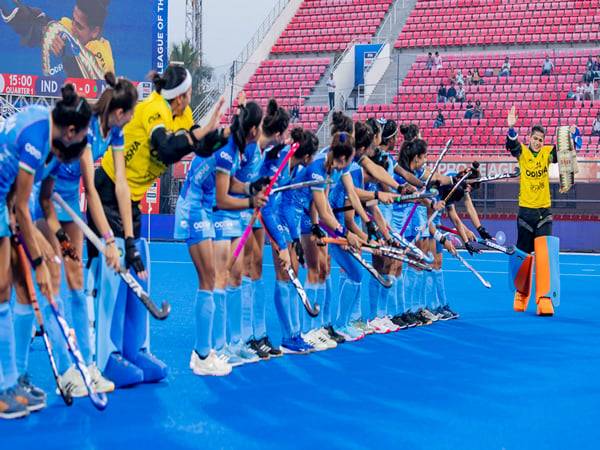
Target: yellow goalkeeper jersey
[(534, 189), (100, 48)]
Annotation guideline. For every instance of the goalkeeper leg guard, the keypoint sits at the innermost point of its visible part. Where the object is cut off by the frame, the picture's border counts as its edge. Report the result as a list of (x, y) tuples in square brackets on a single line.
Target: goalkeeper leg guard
[(520, 272), (547, 275)]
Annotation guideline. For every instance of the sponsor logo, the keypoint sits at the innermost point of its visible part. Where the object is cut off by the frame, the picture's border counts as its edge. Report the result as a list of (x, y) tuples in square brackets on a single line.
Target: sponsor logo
[(225, 224), (226, 156), (203, 225), (33, 151), (153, 118), (184, 224), (536, 173), (54, 70), (317, 177)]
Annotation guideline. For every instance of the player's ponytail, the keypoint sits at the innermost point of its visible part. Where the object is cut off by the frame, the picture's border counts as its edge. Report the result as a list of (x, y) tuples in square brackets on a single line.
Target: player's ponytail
[(248, 117), (410, 150), (307, 140), (276, 120), (342, 145), (410, 131), (388, 134), (71, 110), (341, 123), (175, 81), (120, 94), (363, 134)]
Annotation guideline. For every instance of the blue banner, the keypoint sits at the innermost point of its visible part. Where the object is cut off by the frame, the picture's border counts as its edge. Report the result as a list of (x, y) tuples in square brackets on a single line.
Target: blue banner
[(160, 38), (364, 57)]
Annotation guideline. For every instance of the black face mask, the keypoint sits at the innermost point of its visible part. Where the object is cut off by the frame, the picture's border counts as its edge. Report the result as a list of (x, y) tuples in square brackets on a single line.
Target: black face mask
[(72, 151)]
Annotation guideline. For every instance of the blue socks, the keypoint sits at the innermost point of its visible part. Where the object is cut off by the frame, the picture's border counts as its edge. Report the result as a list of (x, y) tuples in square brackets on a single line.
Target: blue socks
[(392, 297), (282, 305), (410, 280), (307, 322), (259, 321), (400, 295), (347, 296), (247, 331), (205, 312), (327, 306), (429, 297), (220, 320), (234, 314), (79, 313), (23, 327), (7, 346), (373, 298), (440, 287)]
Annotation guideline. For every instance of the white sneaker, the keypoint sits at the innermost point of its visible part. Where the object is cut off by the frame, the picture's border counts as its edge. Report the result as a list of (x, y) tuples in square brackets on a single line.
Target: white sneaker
[(98, 381), (378, 325), (71, 382), (390, 325), (211, 365), (312, 339), (430, 315), (324, 336), (370, 328)]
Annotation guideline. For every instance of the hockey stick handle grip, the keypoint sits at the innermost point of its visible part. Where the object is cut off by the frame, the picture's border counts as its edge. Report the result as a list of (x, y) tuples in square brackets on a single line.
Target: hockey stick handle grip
[(92, 237)]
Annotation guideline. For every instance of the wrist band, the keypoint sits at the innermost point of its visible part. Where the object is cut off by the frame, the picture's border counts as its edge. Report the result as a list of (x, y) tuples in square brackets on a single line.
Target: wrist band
[(37, 262), (439, 236), (376, 195), (108, 235)]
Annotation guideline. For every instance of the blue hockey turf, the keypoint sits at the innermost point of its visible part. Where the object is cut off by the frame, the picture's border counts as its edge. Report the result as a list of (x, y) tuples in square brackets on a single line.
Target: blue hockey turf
[(493, 379)]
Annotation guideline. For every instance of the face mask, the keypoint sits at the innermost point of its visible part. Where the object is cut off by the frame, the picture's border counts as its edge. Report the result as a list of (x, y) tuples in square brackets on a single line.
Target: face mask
[(72, 151)]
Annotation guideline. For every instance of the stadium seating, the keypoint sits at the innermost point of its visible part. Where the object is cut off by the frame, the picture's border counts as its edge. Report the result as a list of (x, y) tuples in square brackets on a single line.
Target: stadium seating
[(446, 23), (290, 81), (539, 99), (330, 25)]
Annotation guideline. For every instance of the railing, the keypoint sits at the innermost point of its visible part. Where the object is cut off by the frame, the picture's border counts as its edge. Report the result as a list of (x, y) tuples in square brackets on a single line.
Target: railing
[(385, 29)]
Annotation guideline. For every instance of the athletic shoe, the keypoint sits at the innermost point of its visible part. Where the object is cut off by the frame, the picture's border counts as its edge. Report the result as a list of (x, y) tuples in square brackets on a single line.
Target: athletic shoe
[(324, 337), (350, 334), (122, 372), (397, 320), (259, 348), (296, 345), (454, 314), (98, 381), (443, 314), (26, 399), (233, 359), (211, 365), (34, 391), (391, 325), (362, 327), (338, 338), (246, 353), (370, 328), (311, 338), (10, 407), (379, 327), (423, 317), (410, 319), (71, 383), (266, 344), (427, 313)]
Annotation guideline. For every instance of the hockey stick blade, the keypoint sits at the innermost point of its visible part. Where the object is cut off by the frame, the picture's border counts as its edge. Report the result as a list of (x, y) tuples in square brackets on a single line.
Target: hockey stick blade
[(374, 273), (462, 260), (495, 246), (500, 176), (313, 311)]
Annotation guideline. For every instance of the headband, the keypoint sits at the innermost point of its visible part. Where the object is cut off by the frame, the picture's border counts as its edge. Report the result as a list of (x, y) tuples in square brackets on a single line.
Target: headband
[(186, 84)]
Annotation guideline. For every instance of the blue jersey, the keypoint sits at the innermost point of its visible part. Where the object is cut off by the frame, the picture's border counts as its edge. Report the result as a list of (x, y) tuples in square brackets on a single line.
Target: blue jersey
[(68, 175), (25, 144)]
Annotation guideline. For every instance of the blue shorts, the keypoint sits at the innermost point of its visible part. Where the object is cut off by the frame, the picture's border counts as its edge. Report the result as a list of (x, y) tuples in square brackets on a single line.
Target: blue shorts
[(227, 225), (245, 216), (194, 228), (73, 202), (305, 224), (4, 228)]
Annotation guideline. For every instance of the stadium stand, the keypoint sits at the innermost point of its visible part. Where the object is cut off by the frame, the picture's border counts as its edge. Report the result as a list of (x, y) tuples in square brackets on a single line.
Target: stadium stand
[(446, 23), (539, 99), (330, 25)]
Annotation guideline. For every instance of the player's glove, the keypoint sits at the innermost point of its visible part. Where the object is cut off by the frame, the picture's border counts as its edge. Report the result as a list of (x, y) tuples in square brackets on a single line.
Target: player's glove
[(373, 231), (65, 244), (256, 186), (471, 248), (132, 256), (317, 232), (299, 251), (210, 143), (484, 233)]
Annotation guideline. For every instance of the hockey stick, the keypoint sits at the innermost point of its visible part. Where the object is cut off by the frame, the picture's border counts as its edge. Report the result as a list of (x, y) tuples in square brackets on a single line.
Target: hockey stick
[(248, 230), (125, 275), (26, 271), (312, 311), (470, 267), (98, 399), (356, 255), (501, 176), (487, 242), (434, 169), (398, 199), (412, 248), (303, 184)]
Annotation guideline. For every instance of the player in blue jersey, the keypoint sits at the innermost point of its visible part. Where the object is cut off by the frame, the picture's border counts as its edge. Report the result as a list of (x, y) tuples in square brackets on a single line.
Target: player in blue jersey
[(113, 110), (33, 143), (254, 330), (245, 131)]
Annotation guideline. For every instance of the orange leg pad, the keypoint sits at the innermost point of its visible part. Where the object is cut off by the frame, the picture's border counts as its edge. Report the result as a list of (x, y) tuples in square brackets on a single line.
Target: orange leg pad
[(547, 274)]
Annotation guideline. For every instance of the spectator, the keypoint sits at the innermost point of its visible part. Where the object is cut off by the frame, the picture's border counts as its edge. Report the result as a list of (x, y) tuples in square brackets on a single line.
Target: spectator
[(477, 78), (430, 62), (597, 68), (477, 111), (588, 93), (596, 126), (460, 79), (590, 64), (439, 120), (441, 94), (452, 76), (547, 66), (295, 113), (451, 93), (460, 94), (469, 110), (580, 92), (588, 75), (437, 61), (331, 91), (469, 77), (505, 69)]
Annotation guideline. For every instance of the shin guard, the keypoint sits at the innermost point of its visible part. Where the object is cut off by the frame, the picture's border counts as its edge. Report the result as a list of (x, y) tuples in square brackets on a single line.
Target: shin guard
[(547, 274), (520, 272)]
